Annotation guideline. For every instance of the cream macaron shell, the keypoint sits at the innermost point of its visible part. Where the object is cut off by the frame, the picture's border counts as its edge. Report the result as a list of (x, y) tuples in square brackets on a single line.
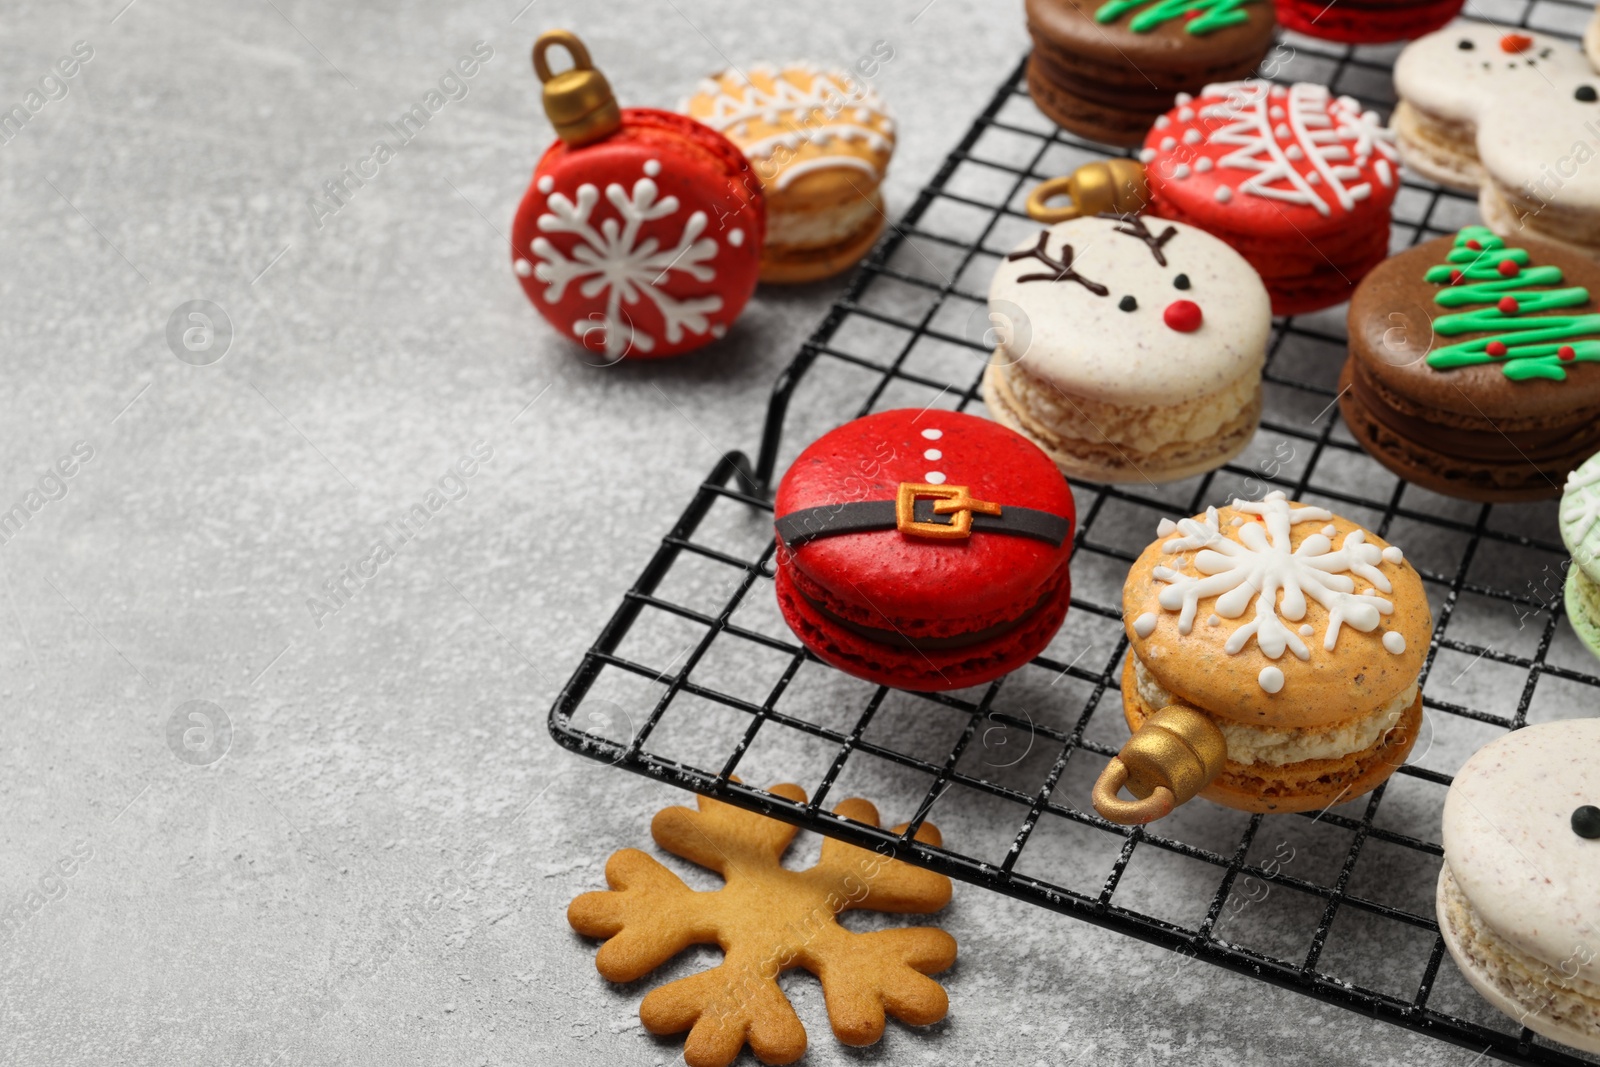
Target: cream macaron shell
[(1530, 939), (1083, 342), (1434, 73)]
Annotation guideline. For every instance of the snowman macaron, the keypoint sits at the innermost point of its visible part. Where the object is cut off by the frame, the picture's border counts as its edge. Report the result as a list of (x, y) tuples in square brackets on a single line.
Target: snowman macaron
[(1519, 895), (1129, 349)]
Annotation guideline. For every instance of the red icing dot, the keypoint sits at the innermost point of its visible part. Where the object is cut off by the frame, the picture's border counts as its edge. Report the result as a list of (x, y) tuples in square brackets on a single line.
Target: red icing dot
[(1183, 316), (1496, 348), (1566, 353), (1509, 305), (1190, 16), (1515, 42), (1475, 245), (1456, 277), (1508, 268)]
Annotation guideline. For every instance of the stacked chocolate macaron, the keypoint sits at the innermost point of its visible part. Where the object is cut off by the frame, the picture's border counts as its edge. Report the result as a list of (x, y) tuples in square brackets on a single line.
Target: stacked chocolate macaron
[(1105, 69), (1298, 180), (1472, 368), (923, 549)]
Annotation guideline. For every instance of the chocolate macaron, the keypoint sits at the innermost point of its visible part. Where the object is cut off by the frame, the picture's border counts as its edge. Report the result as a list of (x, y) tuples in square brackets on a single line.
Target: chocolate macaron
[(925, 550), (1472, 366), (1105, 69)]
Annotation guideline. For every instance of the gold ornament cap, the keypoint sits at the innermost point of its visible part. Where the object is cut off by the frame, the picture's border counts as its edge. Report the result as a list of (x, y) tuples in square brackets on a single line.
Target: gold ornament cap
[(1174, 755), (578, 100), (1108, 185)]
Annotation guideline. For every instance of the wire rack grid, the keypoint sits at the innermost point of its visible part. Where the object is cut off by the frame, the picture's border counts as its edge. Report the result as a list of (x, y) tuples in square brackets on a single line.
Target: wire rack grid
[(695, 679)]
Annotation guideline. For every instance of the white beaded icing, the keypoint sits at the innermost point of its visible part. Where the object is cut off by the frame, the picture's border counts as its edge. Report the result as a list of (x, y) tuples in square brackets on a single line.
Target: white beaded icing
[(1145, 624), (1271, 679)]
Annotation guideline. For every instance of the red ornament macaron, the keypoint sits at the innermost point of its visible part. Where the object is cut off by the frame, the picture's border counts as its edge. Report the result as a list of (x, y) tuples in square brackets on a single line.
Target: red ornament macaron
[(1298, 181), (925, 550), (641, 232), (1366, 21)]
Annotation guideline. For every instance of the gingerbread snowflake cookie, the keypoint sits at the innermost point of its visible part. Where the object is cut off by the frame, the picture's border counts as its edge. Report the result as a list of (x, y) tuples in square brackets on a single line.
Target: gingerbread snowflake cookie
[(768, 919)]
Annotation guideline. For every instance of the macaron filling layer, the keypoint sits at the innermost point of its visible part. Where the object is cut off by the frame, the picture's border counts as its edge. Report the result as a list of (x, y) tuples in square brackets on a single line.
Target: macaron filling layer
[(821, 227), (1540, 987), (1281, 746)]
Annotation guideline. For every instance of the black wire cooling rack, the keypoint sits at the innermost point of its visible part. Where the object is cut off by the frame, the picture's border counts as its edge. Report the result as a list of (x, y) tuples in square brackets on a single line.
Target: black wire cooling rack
[(695, 679)]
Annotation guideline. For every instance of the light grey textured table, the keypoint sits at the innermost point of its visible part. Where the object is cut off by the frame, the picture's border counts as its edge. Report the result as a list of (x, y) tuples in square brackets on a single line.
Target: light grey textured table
[(279, 905)]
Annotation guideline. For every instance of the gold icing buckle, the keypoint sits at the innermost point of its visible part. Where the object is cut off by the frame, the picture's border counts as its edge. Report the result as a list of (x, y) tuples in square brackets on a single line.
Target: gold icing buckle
[(952, 500)]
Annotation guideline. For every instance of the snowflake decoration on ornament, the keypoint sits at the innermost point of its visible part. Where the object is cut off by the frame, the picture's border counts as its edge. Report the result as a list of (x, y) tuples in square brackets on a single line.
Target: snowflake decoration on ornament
[(613, 260), (1261, 565), (1337, 139)]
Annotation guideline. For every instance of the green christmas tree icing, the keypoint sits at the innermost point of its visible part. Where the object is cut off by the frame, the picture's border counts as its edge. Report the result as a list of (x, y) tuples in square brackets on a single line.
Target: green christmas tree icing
[(1482, 270), (1207, 15)]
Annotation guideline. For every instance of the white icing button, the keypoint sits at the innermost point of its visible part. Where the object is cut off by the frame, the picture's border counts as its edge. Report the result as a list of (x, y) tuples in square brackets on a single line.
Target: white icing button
[(1293, 152), (1162, 122), (1168, 144), (523, 268), (1184, 98), (1392, 554), (1146, 154), (934, 477), (1185, 114), (1237, 520), (1271, 679), (1214, 619), (1203, 164), (652, 167), (1306, 630), (1181, 171), (1394, 642), (736, 238), (933, 435), (1164, 527), (1223, 194), (1313, 178), (546, 184), (1276, 112), (1145, 624), (933, 453), (1192, 136), (1329, 531), (719, 330), (1281, 131)]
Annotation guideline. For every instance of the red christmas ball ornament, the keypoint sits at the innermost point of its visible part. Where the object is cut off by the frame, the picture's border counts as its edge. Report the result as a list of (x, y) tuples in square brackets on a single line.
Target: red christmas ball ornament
[(1508, 269), (1496, 348), (1508, 305), (640, 235), (1566, 354)]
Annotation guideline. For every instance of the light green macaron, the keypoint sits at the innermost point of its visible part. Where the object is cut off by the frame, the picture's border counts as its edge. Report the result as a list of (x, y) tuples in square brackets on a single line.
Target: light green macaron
[(1580, 529)]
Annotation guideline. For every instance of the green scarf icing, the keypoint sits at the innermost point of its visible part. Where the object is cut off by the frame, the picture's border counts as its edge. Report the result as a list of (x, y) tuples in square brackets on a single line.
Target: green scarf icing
[(1532, 344), (1221, 14)]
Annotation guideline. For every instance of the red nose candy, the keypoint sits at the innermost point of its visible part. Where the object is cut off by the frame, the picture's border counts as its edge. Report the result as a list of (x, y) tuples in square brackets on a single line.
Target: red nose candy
[(1183, 316), (1508, 268), (1515, 42)]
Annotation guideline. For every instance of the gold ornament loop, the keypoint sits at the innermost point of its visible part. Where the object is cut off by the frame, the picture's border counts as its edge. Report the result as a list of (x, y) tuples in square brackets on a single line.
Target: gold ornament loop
[(578, 101), (1109, 185), (1167, 762)]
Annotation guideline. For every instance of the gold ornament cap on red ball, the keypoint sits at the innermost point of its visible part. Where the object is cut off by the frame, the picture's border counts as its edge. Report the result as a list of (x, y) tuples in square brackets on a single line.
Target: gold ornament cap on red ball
[(578, 101)]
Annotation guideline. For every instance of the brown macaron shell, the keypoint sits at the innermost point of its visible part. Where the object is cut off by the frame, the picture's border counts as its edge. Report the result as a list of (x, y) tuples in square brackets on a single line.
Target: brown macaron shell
[(1358, 676), (1305, 786), (1105, 81), (1470, 431)]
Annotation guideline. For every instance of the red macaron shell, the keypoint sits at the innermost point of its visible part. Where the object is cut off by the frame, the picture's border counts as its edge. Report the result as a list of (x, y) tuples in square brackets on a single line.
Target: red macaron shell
[(1357, 22), (1298, 181), (918, 587), (663, 282)]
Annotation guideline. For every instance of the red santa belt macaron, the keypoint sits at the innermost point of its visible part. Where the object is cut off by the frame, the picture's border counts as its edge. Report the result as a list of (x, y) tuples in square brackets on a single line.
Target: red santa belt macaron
[(924, 549)]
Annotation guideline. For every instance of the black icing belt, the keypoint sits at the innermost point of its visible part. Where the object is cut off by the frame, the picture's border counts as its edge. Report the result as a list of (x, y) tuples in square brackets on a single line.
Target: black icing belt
[(896, 639), (828, 520)]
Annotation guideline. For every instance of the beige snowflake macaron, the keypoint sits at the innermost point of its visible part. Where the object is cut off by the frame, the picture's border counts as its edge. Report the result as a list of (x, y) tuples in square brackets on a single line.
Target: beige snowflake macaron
[(820, 142)]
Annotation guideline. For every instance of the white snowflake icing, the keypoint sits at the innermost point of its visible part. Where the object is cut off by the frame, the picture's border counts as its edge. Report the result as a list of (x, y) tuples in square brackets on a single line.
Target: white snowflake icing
[(1261, 568), (1339, 140), (1580, 502), (612, 260)]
